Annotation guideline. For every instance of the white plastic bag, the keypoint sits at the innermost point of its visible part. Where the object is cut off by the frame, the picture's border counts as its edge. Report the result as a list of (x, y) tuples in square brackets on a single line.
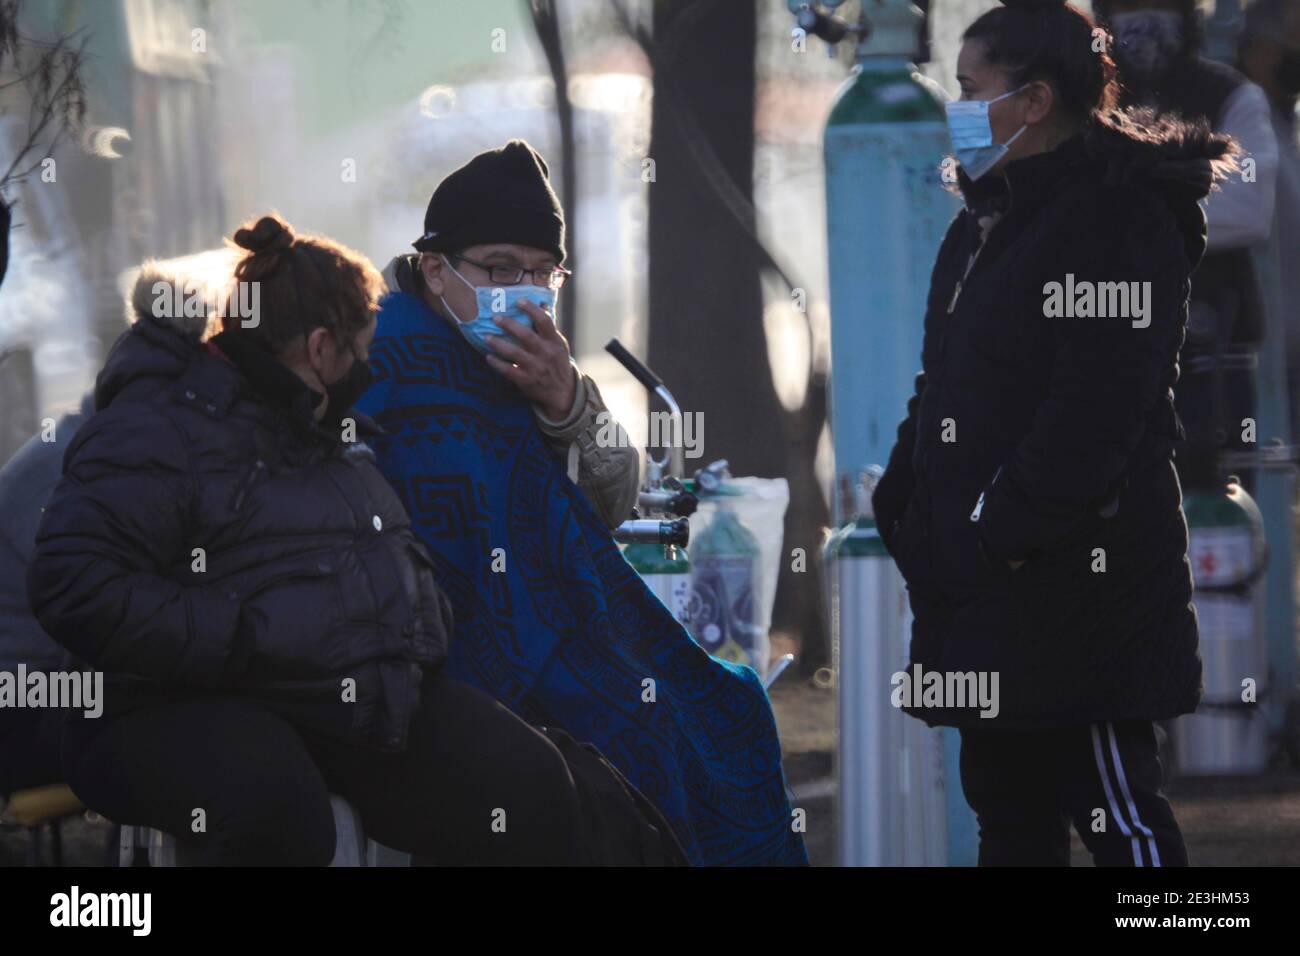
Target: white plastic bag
[(735, 551)]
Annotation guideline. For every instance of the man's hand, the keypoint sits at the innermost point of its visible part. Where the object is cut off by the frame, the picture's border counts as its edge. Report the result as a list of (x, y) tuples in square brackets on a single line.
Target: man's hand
[(536, 360)]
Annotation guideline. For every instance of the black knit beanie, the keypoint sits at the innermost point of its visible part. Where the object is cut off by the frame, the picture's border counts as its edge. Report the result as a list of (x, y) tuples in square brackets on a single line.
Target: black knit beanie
[(503, 195)]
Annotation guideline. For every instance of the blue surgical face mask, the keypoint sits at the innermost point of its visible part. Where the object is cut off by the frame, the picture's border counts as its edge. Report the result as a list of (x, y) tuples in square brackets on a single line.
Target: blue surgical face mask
[(972, 135), (493, 303)]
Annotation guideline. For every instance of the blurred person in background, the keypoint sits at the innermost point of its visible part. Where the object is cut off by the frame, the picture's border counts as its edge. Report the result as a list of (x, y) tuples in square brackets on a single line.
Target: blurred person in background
[(1158, 50), (29, 737), (1270, 56), (514, 473), (1040, 441)]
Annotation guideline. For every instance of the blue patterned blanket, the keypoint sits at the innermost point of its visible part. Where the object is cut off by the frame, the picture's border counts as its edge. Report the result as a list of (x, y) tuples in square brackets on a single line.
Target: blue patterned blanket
[(550, 619)]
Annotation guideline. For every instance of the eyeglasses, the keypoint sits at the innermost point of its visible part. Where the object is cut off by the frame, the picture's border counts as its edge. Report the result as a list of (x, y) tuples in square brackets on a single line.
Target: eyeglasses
[(513, 275)]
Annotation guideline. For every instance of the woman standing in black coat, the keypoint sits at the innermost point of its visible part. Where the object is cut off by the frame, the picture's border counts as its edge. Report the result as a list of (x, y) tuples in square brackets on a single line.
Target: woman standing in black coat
[(1030, 501), (223, 546)]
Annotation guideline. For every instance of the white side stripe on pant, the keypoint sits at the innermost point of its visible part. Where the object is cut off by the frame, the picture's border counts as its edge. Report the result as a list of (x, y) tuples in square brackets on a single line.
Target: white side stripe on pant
[(1110, 796), (1128, 797)]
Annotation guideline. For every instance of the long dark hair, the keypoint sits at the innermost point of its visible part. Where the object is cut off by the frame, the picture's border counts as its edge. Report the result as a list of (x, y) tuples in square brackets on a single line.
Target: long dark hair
[(1052, 41)]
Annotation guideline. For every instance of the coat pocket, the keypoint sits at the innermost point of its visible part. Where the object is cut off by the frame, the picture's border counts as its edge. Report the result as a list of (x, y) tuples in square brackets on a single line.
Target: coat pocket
[(908, 546), (963, 568), (430, 623), (313, 571)]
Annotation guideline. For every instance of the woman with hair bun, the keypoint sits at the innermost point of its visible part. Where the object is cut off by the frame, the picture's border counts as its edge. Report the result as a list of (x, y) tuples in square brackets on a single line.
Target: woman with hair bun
[(1030, 501), (223, 547)]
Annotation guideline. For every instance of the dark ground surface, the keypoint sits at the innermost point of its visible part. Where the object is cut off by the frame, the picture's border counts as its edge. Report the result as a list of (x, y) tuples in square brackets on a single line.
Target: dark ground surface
[(1228, 821)]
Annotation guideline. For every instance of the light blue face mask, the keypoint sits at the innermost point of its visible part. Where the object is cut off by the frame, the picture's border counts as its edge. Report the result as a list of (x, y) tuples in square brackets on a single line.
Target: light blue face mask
[(494, 302), (972, 134)]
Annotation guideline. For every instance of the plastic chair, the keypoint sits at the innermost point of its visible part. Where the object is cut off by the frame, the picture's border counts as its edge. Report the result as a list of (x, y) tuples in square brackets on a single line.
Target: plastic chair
[(38, 807)]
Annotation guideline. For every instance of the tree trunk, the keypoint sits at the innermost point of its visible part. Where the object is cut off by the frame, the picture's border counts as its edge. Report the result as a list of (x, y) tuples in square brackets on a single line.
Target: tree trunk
[(706, 336), (706, 303)]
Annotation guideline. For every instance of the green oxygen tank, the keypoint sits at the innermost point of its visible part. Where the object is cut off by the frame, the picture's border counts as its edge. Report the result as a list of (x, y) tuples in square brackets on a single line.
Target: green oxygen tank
[(1228, 734), (886, 214), (666, 569), (725, 571)]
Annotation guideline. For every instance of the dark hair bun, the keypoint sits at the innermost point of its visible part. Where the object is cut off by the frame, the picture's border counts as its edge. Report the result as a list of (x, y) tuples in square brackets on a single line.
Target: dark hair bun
[(1032, 4), (266, 243), (269, 234)]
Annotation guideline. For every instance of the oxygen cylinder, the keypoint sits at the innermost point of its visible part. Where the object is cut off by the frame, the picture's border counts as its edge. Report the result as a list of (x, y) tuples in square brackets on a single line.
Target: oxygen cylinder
[(886, 213), (723, 574), (1228, 733), (890, 766), (666, 570)]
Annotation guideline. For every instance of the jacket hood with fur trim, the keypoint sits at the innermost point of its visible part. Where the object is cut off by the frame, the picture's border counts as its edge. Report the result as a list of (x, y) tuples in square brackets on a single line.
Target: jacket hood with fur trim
[(1180, 158), (161, 339)]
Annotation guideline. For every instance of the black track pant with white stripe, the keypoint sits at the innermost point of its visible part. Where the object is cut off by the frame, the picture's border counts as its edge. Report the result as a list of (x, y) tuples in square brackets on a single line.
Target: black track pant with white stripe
[(1026, 789)]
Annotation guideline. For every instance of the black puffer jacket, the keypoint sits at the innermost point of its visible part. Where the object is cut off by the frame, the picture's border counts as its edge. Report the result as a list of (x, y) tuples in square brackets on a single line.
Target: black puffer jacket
[(308, 575), (1050, 440)]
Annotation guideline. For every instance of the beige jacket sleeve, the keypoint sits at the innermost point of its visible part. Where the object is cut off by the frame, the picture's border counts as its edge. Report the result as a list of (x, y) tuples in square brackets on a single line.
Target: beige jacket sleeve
[(597, 453)]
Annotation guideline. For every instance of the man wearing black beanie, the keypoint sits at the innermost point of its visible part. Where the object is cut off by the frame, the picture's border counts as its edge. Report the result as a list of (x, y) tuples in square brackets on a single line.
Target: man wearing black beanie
[(496, 222), (513, 473)]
